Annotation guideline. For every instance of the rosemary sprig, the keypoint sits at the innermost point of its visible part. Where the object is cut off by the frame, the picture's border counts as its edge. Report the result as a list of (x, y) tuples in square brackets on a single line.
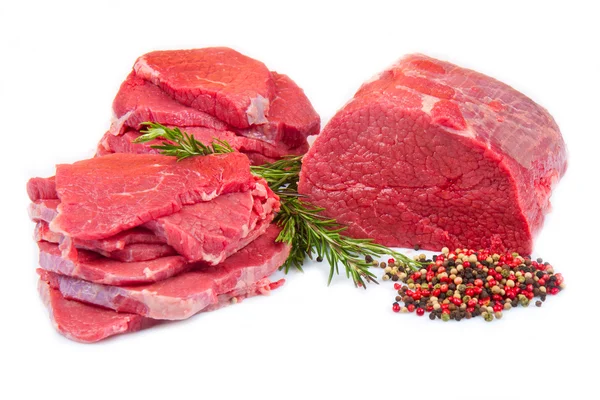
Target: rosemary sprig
[(303, 225), (180, 144)]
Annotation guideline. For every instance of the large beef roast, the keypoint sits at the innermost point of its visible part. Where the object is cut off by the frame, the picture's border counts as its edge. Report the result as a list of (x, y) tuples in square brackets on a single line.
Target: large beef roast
[(431, 154)]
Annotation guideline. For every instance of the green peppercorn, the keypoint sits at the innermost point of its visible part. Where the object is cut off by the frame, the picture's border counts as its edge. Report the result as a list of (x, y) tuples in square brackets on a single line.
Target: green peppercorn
[(445, 317)]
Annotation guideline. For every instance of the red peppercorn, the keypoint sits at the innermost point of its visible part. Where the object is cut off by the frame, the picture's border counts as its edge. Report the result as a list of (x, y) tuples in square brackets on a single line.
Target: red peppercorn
[(456, 301), (559, 278), (472, 303), (470, 292), (425, 293), (466, 264), (397, 286), (444, 288), (554, 290), (420, 312), (416, 275), (530, 288), (498, 307), (396, 307), (542, 281), (478, 282), (439, 258), (391, 261), (439, 263), (416, 296), (437, 292), (411, 307), (497, 297), (429, 308), (441, 269)]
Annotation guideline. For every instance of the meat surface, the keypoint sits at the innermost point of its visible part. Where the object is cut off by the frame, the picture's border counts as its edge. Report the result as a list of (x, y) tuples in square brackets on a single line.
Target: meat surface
[(103, 196), (219, 81), (188, 293), (292, 117), (431, 154), (258, 151), (133, 252), (139, 100), (84, 322), (208, 231), (96, 268), (209, 88)]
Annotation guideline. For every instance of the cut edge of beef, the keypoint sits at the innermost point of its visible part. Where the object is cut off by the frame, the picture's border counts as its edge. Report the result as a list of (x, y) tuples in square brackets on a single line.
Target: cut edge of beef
[(188, 293)]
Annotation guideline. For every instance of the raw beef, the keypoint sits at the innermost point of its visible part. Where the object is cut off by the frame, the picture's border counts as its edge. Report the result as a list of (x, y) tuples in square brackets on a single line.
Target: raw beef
[(119, 242), (86, 323), (139, 100), (431, 154), (291, 117), (96, 268), (103, 196), (186, 294), (258, 151), (263, 114), (208, 231), (219, 81), (130, 253)]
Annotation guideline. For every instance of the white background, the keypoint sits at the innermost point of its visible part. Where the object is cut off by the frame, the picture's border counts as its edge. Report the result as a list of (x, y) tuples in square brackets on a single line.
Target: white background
[(60, 67)]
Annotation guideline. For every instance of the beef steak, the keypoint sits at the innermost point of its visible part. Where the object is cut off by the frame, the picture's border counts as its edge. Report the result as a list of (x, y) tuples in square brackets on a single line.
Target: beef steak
[(219, 81), (103, 196), (188, 293), (86, 323), (132, 252), (207, 231), (432, 154), (96, 268)]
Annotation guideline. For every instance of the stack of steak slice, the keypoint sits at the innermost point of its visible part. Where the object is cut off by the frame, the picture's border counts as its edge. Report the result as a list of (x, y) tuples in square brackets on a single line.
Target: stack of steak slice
[(125, 239), (217, 93)]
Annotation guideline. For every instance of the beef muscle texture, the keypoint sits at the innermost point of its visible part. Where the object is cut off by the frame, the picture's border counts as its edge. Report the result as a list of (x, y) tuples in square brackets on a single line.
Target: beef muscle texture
[(103, 196), (219, 81), (258, 151), (261, 113), (139, 100), (432, 154), (291, 119), (133, 252), (188, 293), (96, 268), (86, 323), (207, 231)]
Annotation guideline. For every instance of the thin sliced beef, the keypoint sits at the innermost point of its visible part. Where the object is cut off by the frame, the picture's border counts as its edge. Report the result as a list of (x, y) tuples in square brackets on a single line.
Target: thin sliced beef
[(86, 323), (133, 252), (103, 196), (219, 81), (258, 151), (291, 119), (188, 293), (431, 154), (208, 231), (96, 268), (139, 100)]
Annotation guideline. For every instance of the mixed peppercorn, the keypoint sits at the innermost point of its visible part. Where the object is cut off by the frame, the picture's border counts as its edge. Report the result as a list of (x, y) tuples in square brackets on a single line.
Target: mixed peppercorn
[(463, 284)]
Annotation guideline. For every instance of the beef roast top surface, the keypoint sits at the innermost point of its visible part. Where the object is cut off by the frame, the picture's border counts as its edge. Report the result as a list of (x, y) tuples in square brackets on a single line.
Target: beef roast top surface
[(432, 154), (219, 81), (106, 195)]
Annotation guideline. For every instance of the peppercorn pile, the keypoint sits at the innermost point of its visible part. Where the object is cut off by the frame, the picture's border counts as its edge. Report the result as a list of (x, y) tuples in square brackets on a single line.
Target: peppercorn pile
[(463, 284)]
